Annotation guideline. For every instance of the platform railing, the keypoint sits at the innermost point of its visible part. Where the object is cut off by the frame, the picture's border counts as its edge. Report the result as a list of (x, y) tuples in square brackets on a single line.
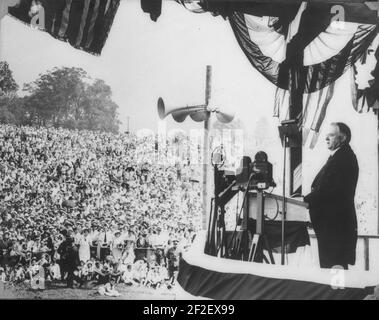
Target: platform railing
[(366, 248)]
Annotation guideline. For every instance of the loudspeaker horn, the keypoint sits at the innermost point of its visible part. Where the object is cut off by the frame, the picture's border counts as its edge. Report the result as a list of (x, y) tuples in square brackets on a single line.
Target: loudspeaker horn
[(198, 112)]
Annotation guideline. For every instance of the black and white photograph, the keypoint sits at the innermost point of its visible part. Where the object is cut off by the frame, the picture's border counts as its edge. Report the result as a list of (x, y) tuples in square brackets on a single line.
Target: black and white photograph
[(189, 150)]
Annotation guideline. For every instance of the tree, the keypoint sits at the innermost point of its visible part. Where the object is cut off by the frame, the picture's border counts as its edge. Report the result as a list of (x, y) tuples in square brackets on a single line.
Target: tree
[(11, 110), (9, 102), (99, 110), (68, 97), (55, 95), (8, 85)]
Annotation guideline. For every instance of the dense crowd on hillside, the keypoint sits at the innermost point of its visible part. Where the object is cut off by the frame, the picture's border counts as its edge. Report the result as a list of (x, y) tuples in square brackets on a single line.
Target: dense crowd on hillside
[(102, 197)]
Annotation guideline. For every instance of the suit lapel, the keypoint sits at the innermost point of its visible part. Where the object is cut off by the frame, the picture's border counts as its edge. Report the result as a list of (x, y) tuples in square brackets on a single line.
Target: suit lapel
[(319, 175)]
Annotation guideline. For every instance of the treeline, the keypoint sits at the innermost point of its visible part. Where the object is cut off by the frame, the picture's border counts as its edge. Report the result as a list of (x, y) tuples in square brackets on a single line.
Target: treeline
[(62, 97)]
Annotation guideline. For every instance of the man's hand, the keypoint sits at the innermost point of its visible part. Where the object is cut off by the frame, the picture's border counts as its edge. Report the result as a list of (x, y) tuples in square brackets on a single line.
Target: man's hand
[(306, 203)]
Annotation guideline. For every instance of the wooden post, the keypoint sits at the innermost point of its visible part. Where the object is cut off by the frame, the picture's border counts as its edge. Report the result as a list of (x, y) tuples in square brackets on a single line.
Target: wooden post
[(205, 174), (366, 242), (377, 200), (246, 206), (206, 151), (260, 213), (284, 209)]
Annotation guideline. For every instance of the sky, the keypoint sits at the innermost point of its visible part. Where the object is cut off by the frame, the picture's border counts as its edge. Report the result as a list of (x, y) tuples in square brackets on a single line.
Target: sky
[(144, 60)]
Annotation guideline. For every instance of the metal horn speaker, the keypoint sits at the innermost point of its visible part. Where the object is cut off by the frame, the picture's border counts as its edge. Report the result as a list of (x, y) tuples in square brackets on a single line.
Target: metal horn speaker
[(198, 112)]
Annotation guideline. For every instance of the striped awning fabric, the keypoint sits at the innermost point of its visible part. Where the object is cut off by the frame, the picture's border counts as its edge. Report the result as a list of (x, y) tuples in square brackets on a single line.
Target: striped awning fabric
[(205, 276), (85, 24)]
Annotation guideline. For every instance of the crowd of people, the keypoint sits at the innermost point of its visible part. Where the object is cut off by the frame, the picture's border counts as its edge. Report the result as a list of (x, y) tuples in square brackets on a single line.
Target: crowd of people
[(92, 207)]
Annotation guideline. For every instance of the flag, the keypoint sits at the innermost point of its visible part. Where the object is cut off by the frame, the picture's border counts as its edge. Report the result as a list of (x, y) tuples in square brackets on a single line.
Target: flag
[(85, 24)]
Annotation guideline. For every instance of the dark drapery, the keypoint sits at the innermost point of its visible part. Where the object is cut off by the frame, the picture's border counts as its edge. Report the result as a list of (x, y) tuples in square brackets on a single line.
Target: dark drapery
[(85, 24), (318, 76), (295, 236), (207, 283)]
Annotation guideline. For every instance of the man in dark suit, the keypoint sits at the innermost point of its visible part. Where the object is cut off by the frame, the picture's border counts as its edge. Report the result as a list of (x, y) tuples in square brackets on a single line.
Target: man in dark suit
[(72, 262), (62, 251), (331, 201)]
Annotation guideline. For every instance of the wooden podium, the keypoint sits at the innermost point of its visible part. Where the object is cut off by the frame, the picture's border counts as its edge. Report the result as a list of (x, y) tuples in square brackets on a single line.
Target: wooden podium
[(296, 209), (258, 205)]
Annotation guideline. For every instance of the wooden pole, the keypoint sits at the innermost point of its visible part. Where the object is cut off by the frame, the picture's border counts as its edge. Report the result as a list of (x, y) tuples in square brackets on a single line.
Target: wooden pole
[(366, 243), (377, 200), (206, 151), (284, 209), (205, 175)]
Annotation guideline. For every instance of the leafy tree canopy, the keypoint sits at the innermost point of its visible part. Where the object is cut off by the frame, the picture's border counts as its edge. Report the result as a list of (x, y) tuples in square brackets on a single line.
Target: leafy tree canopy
[(7, 83), (68, 97)]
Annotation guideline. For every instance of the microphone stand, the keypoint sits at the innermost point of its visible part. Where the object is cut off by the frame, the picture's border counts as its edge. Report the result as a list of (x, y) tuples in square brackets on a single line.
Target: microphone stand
[(288, 132), (284, 209)]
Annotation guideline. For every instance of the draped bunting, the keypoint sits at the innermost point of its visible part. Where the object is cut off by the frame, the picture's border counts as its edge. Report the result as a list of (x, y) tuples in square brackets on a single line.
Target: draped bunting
[(205, 282), (191, 6), (85, 24), (366, 88), (303, 50), (357, 12), (330, 49), (153, 7), (211, 277), (325, 59), (308, 61)]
